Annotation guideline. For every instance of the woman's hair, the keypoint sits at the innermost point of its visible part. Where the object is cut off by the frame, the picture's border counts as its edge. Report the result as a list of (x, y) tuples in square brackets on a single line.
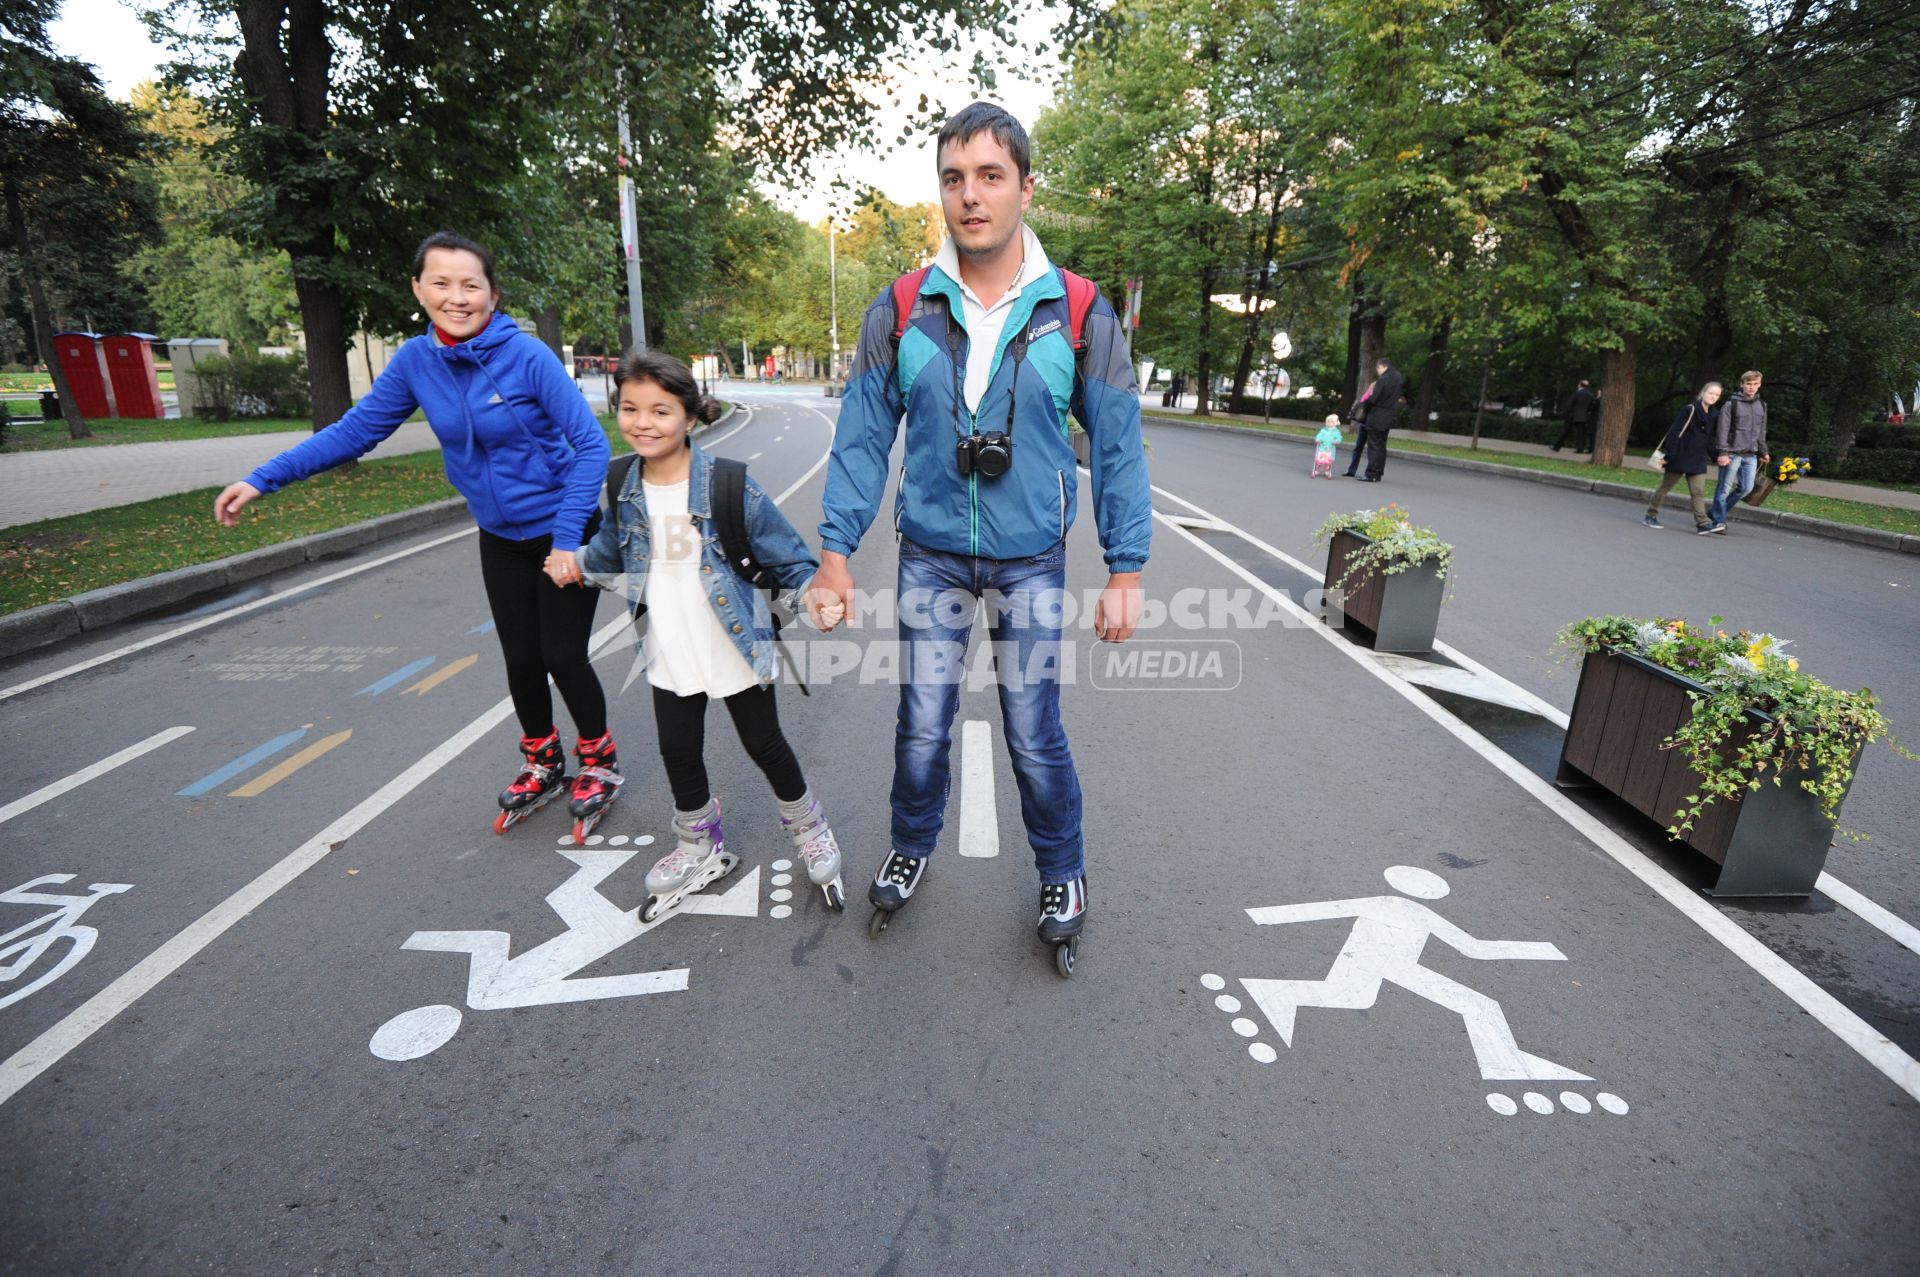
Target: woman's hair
[(1706, 386), (447, 239), (671, 376)]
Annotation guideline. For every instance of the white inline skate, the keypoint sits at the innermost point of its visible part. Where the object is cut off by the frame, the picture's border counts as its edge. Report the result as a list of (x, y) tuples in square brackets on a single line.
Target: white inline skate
[(700, 859), (814, 843)]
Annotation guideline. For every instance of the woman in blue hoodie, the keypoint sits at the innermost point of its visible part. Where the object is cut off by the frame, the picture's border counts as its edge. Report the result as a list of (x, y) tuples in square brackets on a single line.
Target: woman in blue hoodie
[(521, 445)]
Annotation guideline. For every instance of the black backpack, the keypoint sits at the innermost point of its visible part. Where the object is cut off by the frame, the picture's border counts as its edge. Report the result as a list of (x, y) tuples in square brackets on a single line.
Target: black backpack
[(730, 519)]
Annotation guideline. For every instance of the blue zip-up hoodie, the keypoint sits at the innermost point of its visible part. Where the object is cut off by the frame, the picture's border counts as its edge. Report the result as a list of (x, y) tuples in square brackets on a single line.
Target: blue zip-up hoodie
[(1028, 509), (516, 435)]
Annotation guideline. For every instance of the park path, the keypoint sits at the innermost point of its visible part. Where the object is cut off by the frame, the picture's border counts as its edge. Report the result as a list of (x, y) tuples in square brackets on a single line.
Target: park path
[(52, 482)]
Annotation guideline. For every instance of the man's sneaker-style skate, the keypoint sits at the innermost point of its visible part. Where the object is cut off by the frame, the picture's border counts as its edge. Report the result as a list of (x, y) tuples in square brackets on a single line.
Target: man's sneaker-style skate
[(700, 859), (597, 785), (819, 852), (1063, 912), (543, 774), (892, 887)]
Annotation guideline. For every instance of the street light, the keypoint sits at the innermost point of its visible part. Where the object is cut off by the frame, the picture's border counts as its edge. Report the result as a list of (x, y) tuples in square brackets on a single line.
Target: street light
[(833, 304)]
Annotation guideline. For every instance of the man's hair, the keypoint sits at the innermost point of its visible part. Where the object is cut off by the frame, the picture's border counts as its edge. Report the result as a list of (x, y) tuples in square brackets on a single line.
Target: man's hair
[(985, 117), (1749, 375), (1583, 383), (1382, 362)]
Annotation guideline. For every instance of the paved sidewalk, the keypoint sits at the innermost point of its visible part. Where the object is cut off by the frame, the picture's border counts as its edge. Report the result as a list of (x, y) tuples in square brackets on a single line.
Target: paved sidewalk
[(59, 481), (1891, 497)]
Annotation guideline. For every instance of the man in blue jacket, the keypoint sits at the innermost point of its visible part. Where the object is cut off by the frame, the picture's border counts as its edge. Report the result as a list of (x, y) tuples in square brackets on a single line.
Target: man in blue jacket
[(984, 372)]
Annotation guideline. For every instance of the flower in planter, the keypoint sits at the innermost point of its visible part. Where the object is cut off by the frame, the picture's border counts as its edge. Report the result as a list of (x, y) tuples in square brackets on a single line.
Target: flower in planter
[(1811, 728), (1791, 469), (1397, 543)]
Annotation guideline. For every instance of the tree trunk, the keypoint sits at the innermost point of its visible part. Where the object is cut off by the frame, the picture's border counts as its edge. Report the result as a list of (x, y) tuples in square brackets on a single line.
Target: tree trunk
[(323, 316), (1430, 375), (1350, 386), (1373, 342), (1619, 370), (1844, 424), (1713, 336), (43, 316), (547, 324), (1203, 378)]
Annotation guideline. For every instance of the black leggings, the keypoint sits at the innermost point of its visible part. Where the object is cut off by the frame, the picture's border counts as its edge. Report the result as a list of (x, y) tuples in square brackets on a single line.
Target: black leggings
[(543, 631), (683, 743)]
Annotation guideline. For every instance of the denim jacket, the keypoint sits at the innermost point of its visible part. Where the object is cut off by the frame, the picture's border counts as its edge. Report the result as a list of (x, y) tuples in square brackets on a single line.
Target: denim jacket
[(618, 557)]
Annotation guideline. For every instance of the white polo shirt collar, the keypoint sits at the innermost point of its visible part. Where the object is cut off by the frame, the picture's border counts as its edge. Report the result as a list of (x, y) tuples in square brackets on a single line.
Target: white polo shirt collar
[(985, 323)]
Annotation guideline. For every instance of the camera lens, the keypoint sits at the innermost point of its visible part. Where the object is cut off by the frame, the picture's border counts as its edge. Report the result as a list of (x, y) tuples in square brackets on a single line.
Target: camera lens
[(994, 455)]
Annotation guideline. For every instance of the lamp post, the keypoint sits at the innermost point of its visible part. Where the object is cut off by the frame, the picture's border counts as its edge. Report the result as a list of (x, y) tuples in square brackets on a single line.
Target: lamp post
[(833, 304)]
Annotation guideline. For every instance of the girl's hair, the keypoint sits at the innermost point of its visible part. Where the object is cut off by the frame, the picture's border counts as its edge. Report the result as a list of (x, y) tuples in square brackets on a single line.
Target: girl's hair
[(447, 239), (671, 376), (1706, 386)]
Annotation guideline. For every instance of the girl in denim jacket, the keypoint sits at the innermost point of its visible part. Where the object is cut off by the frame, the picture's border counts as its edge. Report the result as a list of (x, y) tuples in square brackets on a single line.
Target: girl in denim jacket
[(708, 633)]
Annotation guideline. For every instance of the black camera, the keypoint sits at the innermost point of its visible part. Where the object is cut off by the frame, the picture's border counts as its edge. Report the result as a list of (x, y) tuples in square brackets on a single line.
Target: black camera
[(988, 455)]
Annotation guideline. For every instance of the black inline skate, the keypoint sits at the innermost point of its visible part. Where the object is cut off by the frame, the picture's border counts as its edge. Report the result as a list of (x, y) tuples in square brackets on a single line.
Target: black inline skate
[(892, 887), (1063, 912)]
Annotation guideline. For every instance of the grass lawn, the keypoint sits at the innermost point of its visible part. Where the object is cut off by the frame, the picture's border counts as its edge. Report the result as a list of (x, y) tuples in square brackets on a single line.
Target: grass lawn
[(47, 561), (33, 436), (1858, 513)]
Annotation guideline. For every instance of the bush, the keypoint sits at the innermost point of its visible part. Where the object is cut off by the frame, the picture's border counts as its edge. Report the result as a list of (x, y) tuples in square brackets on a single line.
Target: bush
[(5, 412), (1881, 434), (1879, 465), (241, 387), (1500, 425)]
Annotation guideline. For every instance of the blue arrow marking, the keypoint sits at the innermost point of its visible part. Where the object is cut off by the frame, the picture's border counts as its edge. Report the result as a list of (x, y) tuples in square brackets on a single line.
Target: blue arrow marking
[(400, 675), (258, 754), (482, 628)]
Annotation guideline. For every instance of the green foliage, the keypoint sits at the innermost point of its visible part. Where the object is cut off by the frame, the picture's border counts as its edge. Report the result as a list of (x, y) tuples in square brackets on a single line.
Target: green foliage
[(243, 386), (1393, 544), (1756, 718)]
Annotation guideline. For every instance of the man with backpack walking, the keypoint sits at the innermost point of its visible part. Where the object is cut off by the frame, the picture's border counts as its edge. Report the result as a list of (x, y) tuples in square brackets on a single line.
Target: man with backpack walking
[(980, 353), (1740, 447)]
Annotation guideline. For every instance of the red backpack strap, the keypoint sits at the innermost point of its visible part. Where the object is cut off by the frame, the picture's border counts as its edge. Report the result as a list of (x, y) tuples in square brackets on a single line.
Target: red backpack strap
[(1080, 295), (905, 289)]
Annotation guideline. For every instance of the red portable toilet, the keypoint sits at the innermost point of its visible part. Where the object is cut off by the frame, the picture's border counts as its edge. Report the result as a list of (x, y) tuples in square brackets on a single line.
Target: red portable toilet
[(80, 360), (130, 370)]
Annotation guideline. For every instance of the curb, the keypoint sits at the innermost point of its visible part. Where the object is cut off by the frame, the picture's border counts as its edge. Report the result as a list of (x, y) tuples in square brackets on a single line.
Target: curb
[(97, 609), (1879, 539)]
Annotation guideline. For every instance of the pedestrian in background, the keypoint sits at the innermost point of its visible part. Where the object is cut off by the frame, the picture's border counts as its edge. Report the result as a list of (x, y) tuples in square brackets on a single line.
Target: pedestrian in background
[(1358, 420), (1382, 407), (1687, 448), (1740, 446), (1582, 408)]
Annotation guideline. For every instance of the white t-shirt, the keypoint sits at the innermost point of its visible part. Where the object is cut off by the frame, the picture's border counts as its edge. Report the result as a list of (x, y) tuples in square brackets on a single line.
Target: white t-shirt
[(985, 323), (688, 650)]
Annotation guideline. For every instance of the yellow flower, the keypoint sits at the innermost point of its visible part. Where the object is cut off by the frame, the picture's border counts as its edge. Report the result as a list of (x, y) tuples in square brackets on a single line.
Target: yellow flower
[(1793, 663)]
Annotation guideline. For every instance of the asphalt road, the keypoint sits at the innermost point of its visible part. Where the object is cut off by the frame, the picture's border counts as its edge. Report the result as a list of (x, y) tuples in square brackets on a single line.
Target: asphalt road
[(311, 889)]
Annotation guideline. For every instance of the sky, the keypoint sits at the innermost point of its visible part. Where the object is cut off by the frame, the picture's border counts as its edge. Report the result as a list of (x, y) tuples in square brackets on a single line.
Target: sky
[(109, 35)]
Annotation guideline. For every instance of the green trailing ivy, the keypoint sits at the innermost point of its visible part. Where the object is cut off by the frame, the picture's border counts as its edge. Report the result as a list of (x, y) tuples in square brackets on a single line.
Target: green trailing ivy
[(1810, 729), (1396, 545)]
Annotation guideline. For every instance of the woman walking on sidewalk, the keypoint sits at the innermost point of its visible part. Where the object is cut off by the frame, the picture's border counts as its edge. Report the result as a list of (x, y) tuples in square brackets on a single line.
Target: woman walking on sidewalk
[(1688, 446), (523, 448)]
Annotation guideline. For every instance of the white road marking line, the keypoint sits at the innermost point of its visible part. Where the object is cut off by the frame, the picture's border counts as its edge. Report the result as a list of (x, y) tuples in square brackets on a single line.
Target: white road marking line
[(979, 818), (227, 615), (1872, 1045), (1870, 912), (746, 411), (756, 456), (20, 806), (41, 1054)]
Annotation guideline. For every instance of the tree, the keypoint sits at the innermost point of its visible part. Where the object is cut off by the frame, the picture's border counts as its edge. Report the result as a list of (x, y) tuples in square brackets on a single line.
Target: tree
[(203, 283), (361, 125), (78, 201)]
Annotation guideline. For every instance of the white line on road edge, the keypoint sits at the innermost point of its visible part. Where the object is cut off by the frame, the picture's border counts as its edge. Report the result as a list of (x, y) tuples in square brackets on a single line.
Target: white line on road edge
[(227, 615), (979, 819), (85, 774), (35, 1058), (746, 412), (1870, 912), (1872, 1045)]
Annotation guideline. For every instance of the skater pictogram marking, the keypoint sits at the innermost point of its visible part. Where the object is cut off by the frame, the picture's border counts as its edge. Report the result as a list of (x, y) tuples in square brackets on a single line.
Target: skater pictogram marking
[(1389, 934), (22, 948), (547, 974)]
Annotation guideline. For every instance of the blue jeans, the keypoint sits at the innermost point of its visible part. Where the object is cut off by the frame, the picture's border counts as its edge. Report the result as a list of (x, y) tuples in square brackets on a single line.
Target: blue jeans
[(937, 606), (1736, 481)]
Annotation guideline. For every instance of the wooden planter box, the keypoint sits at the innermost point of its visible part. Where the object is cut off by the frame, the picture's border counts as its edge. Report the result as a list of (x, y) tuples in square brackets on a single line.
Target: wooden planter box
[(1768, 842), (1399, 612)]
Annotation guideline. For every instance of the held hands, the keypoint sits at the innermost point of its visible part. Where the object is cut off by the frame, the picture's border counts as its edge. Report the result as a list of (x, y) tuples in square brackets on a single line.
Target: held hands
[(563, 569), (1117, 614), (829, 595), (226, 506)]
